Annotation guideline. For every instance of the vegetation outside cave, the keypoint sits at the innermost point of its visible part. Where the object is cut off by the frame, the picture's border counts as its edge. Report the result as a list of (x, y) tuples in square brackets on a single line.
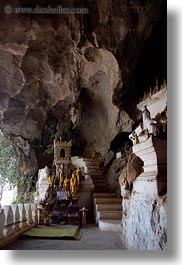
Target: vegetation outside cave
[(8, 168), (9, 172)]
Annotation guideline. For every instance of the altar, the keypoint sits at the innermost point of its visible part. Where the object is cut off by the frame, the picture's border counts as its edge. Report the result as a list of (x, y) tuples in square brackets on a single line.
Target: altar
[(61, 188), (63, 212)]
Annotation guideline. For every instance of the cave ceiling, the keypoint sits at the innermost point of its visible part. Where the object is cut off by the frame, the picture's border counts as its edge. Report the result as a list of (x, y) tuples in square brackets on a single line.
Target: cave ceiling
[(78, 76)]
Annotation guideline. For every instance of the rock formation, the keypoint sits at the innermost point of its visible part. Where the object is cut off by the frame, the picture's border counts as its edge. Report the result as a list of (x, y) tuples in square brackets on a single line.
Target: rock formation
[(75, 74), (129, 173)]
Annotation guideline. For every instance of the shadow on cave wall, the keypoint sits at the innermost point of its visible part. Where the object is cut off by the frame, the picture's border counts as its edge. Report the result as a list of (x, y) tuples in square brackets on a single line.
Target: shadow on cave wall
[(147, 66), (119, 141)]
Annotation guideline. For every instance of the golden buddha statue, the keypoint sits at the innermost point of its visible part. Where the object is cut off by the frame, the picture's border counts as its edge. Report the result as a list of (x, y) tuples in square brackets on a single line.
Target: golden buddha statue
[(50, 180), (66, 184), (61, 176), (73, 185), (61, 179), (78, 175), (135, 138)]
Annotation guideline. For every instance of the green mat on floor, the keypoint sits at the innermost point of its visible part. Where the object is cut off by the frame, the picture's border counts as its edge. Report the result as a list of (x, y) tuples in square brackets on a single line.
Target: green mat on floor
[(60, 233)]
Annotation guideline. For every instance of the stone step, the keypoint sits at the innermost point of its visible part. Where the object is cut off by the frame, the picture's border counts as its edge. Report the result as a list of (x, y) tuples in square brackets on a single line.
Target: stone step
[(101, 190), (100, 184), (95, 173), (90, 166), (98, 177), (101, 177), (99, 180), (101, 187), (93, 166), (110, 225), (108, 200), (91, 159), (112, 215), (92, 163), (108, 207), (104, 195)]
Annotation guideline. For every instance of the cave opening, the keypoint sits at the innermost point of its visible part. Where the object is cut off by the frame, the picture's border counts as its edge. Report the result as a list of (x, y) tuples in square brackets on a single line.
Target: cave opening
[(121, 143)]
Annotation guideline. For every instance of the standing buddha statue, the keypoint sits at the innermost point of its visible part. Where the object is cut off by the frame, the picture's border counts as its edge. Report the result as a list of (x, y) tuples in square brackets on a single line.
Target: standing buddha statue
[(61, 176), (78, 176), (50, 180), (66, 184), (73, 185)]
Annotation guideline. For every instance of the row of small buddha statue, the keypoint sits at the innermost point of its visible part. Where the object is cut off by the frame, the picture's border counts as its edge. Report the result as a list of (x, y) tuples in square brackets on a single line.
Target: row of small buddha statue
[(66, 183)]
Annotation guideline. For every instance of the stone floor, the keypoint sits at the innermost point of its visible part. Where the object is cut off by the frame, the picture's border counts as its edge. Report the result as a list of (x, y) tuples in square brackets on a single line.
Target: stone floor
[(92, 238)]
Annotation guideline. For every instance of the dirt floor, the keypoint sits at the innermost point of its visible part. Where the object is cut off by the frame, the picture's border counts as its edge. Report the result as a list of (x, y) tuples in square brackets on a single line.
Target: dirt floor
[(92, 238)]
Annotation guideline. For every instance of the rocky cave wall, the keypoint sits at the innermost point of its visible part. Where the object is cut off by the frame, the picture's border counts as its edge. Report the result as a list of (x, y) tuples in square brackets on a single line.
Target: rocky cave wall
[(144, 219), (76, 76)]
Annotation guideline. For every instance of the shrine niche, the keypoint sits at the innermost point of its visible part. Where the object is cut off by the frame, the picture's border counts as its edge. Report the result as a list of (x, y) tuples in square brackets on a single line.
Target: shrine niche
[(62, 152)]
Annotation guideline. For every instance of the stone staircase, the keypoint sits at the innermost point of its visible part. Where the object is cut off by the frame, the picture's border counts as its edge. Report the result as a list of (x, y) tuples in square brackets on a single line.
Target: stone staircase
[(96, 174), (107, 206)]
